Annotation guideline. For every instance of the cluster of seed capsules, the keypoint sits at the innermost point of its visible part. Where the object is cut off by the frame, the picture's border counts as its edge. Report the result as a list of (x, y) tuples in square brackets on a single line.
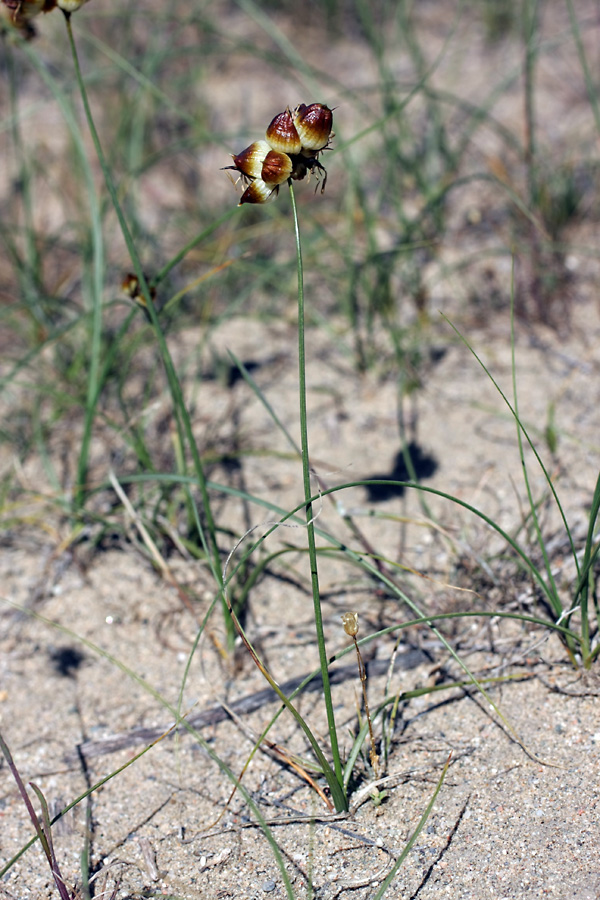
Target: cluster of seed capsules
[(293, 142)]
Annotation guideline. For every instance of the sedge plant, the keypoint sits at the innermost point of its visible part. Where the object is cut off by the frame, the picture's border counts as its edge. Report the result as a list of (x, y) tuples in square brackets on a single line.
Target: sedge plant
[(294, 140), (206, 530), (577, 611)]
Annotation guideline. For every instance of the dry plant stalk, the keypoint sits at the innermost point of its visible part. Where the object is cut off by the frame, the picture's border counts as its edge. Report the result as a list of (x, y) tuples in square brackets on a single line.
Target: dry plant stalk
[(350, 623)]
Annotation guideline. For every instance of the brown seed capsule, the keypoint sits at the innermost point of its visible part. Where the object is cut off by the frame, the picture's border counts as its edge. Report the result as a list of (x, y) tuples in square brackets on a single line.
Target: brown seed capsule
[(276, 168), (350, 623), (313, 124), (21, 11), (250, 161), (131, 286), (282, 134), (9, 26), (259, 192)]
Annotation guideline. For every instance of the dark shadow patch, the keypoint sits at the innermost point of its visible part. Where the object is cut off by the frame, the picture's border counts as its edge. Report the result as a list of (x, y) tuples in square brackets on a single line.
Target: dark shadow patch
[(230, 462), (227, 373), (424, 465), (66, 660)]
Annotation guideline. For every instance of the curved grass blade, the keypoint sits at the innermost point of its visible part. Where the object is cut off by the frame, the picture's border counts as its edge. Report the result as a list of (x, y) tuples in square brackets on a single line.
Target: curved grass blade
[(385, 885)]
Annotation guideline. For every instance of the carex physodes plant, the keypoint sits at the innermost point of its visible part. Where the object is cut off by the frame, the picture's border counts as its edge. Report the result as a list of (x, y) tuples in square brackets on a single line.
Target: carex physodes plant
[(293, 141)]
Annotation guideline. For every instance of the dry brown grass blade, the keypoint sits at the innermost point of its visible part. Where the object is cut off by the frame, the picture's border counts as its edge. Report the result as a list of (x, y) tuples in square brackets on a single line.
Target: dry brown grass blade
[(155, 553)]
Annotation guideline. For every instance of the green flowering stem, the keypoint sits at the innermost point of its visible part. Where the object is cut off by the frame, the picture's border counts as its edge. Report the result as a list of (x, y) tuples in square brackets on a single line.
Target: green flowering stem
[(338, 794), (182, 418)]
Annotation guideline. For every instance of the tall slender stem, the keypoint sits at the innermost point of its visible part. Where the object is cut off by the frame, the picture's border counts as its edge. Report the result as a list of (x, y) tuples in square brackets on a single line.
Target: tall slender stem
[(184, 425), (312, 551)]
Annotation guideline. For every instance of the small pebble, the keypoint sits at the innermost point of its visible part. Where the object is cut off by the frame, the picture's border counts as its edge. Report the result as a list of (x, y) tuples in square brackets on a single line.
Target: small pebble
[(268, 886)]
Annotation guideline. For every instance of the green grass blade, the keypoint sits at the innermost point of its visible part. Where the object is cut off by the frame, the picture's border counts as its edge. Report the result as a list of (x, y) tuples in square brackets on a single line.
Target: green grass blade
[(93, 385), (553, 595), (258, 393), (527, 438), (387, 882), (184, 425), (590, 82)]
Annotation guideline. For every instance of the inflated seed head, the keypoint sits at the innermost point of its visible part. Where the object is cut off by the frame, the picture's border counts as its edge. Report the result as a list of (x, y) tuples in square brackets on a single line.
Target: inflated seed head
[(250, 161), (282, 134), (276, 167), (259, 192), (313, 124)]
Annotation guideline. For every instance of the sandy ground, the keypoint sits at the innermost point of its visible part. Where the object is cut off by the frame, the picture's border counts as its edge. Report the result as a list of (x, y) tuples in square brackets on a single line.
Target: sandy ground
[(507, 823), (92, 637)]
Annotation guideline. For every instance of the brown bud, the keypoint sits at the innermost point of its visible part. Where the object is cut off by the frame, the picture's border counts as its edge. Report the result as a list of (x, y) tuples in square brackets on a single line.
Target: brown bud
[(313, 124), (259, 192), (350, 623), (276, 168), (282, 134), (131, 286)]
